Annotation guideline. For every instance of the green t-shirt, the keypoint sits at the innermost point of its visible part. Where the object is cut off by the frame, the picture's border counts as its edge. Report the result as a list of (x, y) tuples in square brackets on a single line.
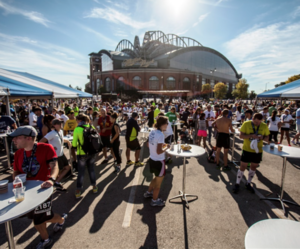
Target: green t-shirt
[(172, 116), (156, 112), (248, 129), (76, 111), (78, 139), (67, 110), (95, 109), (271, 109)]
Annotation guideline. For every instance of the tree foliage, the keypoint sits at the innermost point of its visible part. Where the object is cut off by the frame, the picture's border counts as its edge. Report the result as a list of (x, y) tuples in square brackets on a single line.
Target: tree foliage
[(241, 90), (220, 90), (280, 84), (293, 78), (252, 95), (206, 89)]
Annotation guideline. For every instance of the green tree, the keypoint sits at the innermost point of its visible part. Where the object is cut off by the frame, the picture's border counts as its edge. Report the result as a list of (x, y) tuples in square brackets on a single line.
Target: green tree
[(241, 90), (280, 84), (206, 89), (220, 90), (70, 86), (252, 95), (78, 88), (293, 78)]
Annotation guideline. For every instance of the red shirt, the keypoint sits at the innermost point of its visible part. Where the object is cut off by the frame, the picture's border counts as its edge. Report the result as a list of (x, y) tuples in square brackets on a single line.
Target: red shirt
[(40, 168), (104, 123)]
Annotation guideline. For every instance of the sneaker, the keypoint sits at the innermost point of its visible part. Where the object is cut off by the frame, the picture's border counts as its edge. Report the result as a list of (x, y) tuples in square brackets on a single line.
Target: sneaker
[(95, 189), (130, 162), (115, 162), (117, 169), (109, 157), (139, 164), (294, 142), (148, 195), (226, 168), (59, 186), (158, 203), (236, 188), (249, 188), (58, 226), (43, 244), (77, 194), (104, 161), (290, 145)]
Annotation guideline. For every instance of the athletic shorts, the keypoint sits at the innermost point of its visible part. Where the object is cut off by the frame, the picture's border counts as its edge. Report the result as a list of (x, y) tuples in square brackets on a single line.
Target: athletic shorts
[(223, 140), (285, 129), (62, 162), (250, 157), (169, 139), (42, 212), (106, 141), (158, 168), (202, 133), (133, 145), (298, 127)]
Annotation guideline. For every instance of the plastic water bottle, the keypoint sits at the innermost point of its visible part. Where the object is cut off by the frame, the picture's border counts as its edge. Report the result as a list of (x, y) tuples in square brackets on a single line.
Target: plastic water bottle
[(178, 145), (8, 129), (18, 189)]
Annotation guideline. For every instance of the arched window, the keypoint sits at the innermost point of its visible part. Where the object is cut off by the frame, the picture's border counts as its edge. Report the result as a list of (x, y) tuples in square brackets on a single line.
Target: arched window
[(113, 85), (233, 86), (137, 82), (186, 83), (107, 84), (121, 83), (153, 83), (171, 83)]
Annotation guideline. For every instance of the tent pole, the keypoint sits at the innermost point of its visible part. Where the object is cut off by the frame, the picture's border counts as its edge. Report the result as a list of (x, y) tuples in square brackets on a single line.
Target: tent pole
[(7, 106)]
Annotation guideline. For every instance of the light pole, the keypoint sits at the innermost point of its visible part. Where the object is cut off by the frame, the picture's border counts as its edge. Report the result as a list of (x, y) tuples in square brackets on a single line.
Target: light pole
[(213, 72), (266, 86)]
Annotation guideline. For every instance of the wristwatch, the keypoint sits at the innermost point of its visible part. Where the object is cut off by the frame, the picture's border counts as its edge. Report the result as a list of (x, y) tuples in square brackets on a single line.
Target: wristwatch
[(51, 179)]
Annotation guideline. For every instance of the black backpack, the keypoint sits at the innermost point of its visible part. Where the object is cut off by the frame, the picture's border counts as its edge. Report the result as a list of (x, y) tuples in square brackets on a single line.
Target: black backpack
[(91, 141)]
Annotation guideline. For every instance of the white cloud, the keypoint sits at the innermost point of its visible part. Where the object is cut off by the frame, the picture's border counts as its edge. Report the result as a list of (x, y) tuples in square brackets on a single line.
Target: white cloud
[(218, 2), (31, 15), (200, 19), (266, 54), (296, 12), (46, 60), (114, 16)]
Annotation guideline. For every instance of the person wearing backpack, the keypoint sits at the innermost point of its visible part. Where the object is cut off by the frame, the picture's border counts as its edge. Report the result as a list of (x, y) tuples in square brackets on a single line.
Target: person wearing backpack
[(85, 158)]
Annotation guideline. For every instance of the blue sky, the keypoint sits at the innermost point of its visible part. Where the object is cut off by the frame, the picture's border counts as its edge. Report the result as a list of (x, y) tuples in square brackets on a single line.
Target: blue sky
[(52, 39)]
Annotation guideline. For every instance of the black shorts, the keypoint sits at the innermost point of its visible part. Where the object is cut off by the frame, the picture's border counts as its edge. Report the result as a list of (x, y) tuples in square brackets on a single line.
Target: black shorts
[(285, 129), (133, 145), (169, 139), (158, 168), (42, 212), (106, 141), (223, 140), (250, 157), (62, 162)]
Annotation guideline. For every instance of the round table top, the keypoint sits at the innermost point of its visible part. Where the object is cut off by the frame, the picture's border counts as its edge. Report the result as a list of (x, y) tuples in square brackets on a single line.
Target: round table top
[(273, 233), (68, 138), (3, 135), (195, 151), (146, 131), (34, 196), (236, 131), (287, 151), (235, 122)]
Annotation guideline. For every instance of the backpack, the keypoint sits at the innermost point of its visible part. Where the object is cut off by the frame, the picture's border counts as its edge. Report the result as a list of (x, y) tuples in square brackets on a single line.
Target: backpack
[(91, 141)]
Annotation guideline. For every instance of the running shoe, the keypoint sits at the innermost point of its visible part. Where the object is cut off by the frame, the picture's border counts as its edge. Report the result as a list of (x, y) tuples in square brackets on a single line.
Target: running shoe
[(117, 169), (78, 194), (44, 244), (104, 161), (139, 164), (58, 226), (95, 189), (249, 188), (59, 186), (130, 162), (294, 142), (236, 188), (158, 203), (148, 195), (226, 168)]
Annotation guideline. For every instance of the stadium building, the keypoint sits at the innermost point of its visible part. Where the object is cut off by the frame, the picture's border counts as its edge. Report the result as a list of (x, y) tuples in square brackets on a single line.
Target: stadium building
[(163, 65)]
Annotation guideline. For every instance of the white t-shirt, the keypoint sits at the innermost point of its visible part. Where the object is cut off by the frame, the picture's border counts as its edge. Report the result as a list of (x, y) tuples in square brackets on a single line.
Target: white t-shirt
[(285, 118), (56, 139), (238, 116), (273, 125), (64, 117), (211, 114), (169, 130), (156, 137), (32, 117), (265, 115)]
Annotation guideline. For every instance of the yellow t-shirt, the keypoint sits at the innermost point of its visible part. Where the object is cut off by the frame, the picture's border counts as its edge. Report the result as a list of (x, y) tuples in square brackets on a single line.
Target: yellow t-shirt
[(248, 129), (70, 125)]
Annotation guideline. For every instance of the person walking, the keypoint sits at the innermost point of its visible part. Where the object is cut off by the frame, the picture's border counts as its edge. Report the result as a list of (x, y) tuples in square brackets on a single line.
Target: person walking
[(202, 129), (115, 141), (285, 126), (274, 125), (157, 160), (209, 116)]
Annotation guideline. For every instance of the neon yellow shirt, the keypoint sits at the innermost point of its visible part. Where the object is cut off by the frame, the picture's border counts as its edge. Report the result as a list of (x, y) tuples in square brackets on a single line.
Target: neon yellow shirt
[(156, 112), (78, 139), (248, 129), (76, 111)]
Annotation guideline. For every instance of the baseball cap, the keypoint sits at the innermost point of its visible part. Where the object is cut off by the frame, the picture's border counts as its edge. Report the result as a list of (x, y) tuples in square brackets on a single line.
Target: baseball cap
[(56, 121), (26, 130), (71, 112)]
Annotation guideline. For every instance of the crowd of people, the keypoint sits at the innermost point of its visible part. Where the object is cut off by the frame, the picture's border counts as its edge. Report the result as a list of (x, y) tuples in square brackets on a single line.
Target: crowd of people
[(38, 132)]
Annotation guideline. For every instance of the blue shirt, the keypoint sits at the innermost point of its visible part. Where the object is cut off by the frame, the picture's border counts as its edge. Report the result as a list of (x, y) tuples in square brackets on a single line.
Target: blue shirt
[(39, 124), (298, 115), (229, 114)]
